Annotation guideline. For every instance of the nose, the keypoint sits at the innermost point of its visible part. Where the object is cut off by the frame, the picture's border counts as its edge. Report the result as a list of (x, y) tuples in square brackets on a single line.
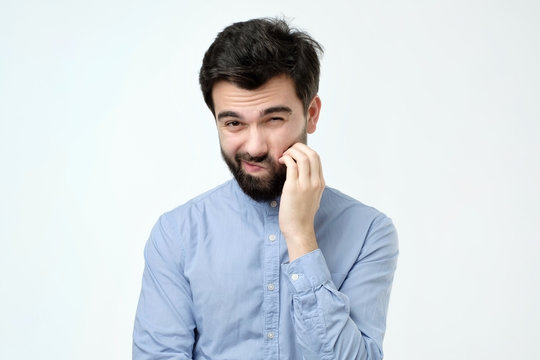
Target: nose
[(256, 144)]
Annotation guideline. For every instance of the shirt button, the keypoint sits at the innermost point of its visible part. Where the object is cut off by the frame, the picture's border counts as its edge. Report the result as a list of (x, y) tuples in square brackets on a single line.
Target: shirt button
[(294, 277), (270, 335), (272, 237), (271, 287), (273, 203)]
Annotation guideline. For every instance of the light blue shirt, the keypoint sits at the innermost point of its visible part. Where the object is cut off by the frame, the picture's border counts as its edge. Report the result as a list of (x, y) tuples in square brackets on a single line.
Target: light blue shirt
[(218, 284)]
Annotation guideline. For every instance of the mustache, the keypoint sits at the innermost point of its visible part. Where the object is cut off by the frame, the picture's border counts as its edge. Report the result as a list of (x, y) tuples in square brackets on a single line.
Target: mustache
[(252, 159)]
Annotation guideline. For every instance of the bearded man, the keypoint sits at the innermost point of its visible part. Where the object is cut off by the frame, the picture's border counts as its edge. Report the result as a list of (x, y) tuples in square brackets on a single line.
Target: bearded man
[(273, 264)]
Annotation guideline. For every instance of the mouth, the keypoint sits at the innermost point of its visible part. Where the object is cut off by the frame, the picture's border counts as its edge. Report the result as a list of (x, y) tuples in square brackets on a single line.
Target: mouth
[(251, 168)]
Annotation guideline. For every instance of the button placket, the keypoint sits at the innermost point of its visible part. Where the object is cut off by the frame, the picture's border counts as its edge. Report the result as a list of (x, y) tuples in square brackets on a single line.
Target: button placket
[(272, 267)]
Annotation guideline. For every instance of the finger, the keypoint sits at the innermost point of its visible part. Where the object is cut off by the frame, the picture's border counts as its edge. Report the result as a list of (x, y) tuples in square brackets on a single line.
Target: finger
[(302, 162), (292, 168), (316, 169), (316, 175)]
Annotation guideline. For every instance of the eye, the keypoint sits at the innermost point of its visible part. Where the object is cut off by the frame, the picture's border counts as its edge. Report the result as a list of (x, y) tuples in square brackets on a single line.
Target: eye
[(232, 123), (276, 118)]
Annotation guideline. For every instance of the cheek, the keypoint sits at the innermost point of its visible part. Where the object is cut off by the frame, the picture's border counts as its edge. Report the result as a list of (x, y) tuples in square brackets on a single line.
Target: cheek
[(229, 144), (279, 147)]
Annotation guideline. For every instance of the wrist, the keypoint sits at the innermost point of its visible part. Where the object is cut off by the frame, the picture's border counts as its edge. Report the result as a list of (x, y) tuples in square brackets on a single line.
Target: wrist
[(301, 244)]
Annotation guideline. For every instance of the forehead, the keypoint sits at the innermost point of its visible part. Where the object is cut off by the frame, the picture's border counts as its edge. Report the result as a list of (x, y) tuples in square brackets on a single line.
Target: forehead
[(278, 91)]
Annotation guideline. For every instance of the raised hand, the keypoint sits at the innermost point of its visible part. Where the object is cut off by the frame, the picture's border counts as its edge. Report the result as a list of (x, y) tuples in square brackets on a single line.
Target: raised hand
[(300, 199)]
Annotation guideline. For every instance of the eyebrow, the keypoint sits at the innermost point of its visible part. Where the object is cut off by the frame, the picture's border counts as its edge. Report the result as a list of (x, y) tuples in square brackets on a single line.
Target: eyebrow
[(276, 109), (270, 110), (225, 114)]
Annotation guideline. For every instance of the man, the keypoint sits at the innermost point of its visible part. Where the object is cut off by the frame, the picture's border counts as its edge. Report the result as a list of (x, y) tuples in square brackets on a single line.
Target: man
[(272, 264)]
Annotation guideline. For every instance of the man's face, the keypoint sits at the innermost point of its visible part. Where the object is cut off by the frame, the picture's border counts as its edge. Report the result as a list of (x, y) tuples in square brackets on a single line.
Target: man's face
[(256, 126)]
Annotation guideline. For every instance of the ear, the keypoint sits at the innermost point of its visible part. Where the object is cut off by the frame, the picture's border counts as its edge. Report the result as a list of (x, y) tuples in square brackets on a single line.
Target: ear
[(313, 114)]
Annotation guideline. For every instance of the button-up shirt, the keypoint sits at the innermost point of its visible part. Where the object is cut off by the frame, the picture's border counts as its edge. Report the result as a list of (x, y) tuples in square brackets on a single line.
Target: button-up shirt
[(218, 283)]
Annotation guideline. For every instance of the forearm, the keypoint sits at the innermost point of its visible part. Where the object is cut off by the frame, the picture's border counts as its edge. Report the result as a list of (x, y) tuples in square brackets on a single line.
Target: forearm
[(322, 315)]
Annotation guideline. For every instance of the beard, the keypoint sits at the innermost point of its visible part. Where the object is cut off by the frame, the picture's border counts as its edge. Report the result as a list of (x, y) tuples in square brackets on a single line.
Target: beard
[(260, 188)]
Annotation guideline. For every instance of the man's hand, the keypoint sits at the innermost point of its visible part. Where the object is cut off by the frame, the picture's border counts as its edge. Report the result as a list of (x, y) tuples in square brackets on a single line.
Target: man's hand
[(300, 199)]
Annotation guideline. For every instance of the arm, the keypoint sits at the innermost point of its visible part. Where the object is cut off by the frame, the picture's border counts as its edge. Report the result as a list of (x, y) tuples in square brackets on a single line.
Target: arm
[(164, 324), (349, 323), (332, 324)]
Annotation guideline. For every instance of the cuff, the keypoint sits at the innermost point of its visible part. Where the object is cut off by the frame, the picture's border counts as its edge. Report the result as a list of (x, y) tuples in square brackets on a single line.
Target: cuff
[(307, 272)]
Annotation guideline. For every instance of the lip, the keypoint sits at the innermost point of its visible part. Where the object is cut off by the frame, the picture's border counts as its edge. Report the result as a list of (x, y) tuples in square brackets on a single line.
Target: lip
[(251, 168)]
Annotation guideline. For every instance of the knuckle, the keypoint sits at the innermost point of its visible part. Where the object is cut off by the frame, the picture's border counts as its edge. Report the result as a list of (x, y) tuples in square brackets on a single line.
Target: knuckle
[(292, 165), (317, 184), (301, 157)]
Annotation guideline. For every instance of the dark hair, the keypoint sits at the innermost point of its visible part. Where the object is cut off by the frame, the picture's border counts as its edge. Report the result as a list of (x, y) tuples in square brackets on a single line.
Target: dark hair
[(250, 53)]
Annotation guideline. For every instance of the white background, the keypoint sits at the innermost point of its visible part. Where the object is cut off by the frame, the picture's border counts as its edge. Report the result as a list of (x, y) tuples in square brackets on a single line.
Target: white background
[(431, 113)]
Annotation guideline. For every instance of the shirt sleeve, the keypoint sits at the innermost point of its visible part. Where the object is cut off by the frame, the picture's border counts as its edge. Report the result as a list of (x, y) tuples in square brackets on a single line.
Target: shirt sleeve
[(348, 323), (164, 324)]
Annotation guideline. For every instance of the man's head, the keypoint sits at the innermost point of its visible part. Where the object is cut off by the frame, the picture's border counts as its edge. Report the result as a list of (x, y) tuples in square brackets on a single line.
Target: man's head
[(260, 80), (250, 53)]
